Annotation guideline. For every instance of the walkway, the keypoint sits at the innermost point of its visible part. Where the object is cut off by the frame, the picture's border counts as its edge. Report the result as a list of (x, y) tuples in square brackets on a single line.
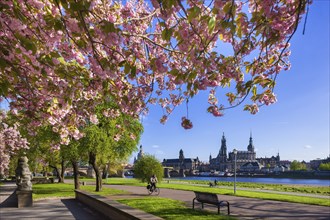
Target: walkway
[(246, 208), (59, 209)]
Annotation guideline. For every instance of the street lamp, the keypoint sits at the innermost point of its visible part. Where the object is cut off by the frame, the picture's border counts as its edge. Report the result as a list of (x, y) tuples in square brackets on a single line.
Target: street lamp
[(235, 153)]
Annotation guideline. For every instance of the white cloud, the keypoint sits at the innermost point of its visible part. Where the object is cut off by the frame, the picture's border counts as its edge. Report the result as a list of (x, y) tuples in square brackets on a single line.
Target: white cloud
[(155, 146), (307, 146)]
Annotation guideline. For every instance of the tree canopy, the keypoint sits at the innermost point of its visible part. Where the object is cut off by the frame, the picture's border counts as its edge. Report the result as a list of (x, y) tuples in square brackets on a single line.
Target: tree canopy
[(147, 166), (59, 59)]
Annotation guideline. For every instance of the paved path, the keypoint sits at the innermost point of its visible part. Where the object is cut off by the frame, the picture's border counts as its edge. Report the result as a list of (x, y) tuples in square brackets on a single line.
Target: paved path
[(48, 209), (246, 208)]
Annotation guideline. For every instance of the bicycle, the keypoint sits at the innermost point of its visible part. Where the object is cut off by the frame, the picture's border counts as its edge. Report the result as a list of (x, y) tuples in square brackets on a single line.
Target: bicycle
[(155, 191)]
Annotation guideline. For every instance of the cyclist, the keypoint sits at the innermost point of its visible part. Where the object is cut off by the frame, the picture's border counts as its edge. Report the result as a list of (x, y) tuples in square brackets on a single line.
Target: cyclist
[(153, 181)]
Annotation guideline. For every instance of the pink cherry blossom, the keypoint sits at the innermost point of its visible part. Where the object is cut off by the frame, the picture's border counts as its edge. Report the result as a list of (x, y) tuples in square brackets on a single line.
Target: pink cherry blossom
[(59, 62)]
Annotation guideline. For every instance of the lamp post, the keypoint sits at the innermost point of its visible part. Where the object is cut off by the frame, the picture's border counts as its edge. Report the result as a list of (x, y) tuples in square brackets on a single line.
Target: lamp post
[(235, 153)]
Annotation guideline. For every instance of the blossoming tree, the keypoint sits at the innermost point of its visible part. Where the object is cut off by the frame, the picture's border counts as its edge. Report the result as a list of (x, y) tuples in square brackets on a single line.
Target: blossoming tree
[(11, 142), (61, 58)]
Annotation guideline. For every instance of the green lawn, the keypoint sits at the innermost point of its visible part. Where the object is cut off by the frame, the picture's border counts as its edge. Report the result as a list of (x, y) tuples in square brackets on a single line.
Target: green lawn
[(322, 190), (171, 209), (41, 191)]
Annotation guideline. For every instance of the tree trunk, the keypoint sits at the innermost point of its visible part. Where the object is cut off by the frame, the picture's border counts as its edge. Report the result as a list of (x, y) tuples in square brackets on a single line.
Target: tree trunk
[(58, 174), (92, 161), (61, 180), (105, 171), (75, 174)]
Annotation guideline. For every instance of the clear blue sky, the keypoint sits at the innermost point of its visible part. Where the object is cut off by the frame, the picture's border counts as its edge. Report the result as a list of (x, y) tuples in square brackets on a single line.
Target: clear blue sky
[(297, 126)]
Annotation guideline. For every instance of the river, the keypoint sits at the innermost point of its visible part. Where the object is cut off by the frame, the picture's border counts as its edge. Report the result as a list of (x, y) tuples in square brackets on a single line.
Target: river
[(314, 182)]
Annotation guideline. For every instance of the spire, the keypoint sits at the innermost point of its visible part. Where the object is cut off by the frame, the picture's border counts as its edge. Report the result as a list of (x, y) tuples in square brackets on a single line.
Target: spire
[(222, 156), (140, 154), (250, 146), (181, 156)]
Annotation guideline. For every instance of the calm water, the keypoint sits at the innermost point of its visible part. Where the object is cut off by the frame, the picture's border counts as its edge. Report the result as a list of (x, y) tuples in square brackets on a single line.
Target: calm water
[(259, 180)]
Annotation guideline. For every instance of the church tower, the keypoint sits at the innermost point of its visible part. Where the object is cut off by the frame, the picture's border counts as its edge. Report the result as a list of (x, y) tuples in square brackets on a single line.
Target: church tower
[(250, 146), (140, 154), (181, 157), (223, 150)]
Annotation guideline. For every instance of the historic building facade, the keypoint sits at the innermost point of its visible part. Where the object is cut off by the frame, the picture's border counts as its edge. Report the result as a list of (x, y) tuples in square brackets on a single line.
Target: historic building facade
[(182, 162), (226, 163), (140, 154)]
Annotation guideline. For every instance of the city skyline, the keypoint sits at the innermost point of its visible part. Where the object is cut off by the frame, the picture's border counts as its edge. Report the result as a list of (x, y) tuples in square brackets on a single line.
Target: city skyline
[(297, 126), (215, 154)]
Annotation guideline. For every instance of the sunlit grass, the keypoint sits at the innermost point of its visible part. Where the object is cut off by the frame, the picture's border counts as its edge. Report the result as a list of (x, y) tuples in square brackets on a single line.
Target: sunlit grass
[(60, 190), (322, 190), (170, 209)]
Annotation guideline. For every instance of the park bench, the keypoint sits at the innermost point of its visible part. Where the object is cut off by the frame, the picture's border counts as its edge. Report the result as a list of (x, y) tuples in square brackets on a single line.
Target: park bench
[(210, 198)]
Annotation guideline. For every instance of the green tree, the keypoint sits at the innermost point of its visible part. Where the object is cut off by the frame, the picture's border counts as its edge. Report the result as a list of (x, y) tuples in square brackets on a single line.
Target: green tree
[(146, 166), (296, 165), (324, 166), (72, 153), (111, 139)]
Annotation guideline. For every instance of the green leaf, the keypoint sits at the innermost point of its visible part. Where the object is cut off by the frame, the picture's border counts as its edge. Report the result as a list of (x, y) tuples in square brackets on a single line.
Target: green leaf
[(3, 63), (247, 108), (127, 68), (167, 34), (108, 27), (174, 72), (4, 88), (254, 90), (133, 71), (193, 13), (58, 25), (121, 64), (192, 75), (77, 6), (247, 68), (227, 8), (29, 45), (211, 24)]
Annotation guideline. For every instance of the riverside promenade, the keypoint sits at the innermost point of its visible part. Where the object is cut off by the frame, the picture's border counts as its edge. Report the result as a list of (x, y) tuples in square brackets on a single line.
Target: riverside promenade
[(241, 208)]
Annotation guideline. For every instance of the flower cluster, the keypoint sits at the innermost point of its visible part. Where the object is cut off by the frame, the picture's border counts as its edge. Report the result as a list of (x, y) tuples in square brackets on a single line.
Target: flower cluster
[(10, 142)]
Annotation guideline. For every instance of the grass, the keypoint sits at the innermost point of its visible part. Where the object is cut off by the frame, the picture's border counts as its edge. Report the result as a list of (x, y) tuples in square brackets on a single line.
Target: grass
[(60, 190), (170, 209), (321, 190)]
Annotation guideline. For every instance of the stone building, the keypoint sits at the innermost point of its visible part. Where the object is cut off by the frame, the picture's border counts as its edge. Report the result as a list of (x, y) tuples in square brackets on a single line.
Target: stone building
[(140, 154), (182, 162), (270, 162), (224, 163), (221, 161)]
